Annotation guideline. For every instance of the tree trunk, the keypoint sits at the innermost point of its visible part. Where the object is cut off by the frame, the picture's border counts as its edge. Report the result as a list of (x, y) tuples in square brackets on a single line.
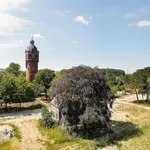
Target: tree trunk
[(46, 94), (136, 92), (2, 104), (20, 104), (148, 100), (6, 107)]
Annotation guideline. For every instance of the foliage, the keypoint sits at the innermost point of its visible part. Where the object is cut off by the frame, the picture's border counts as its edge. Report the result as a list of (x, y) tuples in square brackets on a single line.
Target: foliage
[(139, 82), (13, 69), (44, 78), (145, 79), (47, 120), (8, 89), (83, 96), (38, 106), (114, 79), (16, 90), (59, 74), (25, 91)]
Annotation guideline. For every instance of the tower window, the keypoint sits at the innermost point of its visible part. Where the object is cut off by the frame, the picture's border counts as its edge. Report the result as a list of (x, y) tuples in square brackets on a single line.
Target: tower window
[(33, 55)]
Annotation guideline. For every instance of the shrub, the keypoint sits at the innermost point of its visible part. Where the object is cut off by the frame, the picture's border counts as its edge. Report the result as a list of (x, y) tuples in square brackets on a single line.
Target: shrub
[(47, 120)]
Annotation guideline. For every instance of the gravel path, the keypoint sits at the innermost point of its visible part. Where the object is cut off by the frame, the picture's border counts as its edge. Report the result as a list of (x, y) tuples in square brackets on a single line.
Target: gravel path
[(26, 122), (135, 105), (21, 114), (130, 99)]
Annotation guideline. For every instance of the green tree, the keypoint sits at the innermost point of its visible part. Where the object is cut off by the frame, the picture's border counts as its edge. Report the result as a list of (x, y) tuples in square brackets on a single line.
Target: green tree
[(135, 82), (139, 81), (8, 89), (59, 74), (83, 96), (25, 91), (44, 78), (145, 78), (114, 78), (13, 68)]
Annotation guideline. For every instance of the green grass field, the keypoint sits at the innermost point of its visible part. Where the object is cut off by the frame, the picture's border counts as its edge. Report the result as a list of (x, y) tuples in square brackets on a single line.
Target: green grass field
[(131, 130)]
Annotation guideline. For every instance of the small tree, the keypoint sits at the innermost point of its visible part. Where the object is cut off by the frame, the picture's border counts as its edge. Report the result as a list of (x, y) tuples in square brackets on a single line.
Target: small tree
[(8, 89), (83, 96), (13, 69), (44, 78), (25, 91), (47, 120)]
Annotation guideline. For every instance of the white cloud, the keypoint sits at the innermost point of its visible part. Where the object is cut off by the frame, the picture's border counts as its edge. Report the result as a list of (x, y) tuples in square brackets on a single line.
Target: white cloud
[(62, 13), (82, 20), (11, 23), (5, 33), (129, 16), (38, 36), (8, 22), (143, 23), (24, 10), (6, 5), (11, 45)]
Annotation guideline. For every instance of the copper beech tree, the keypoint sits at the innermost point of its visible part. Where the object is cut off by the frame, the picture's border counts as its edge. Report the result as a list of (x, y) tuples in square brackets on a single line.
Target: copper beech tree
[(84, 97)]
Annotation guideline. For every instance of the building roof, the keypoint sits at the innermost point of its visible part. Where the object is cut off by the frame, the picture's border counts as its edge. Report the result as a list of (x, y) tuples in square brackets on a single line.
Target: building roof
[(32, 48), (54, 102)]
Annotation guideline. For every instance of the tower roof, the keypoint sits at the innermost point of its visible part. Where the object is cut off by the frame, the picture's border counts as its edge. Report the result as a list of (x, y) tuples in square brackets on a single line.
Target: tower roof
[(32, 47)]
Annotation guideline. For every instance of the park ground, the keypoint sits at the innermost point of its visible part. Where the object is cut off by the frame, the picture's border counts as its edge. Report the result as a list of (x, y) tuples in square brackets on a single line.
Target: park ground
[(130, 123)]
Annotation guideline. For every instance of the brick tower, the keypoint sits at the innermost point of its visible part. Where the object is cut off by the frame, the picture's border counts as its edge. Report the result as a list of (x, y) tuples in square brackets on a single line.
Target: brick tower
[(32, 59)]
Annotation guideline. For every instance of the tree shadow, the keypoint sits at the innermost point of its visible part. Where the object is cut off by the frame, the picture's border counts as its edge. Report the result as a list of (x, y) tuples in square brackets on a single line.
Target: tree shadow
[(143, 102), (120, 131), (15, 108)]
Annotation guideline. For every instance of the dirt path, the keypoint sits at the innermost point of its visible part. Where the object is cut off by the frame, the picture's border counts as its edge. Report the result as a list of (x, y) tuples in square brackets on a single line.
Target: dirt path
[(31, 137), (26, 122), (135, 105), (130, 99)]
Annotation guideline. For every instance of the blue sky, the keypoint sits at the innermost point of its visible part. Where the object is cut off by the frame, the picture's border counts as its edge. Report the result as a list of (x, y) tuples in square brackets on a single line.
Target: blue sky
[(110, 33)]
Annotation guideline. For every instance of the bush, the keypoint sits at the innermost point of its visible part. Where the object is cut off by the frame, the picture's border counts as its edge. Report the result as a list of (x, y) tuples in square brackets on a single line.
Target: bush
[(47, 120), (114, 89)]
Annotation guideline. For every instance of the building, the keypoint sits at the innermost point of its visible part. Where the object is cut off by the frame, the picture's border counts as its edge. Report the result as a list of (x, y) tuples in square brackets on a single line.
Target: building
[(32, 59), (55, 110)]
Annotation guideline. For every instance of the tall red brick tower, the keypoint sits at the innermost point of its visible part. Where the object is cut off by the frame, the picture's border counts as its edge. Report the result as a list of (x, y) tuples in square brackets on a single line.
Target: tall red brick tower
[(32, 59)]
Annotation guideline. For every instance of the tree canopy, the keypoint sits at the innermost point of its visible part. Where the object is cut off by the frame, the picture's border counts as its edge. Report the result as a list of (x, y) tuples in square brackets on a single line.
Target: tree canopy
[(114, 78), (83, 96), (16, 90), (13, 68), (44, 78)]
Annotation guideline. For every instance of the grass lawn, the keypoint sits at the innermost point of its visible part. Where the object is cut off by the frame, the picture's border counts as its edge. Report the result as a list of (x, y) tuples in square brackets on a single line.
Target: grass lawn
[(131, 130), (56, 139)]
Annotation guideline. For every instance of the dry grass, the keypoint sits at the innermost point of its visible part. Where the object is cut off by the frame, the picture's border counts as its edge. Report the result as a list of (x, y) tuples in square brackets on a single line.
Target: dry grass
[(130, 125), (140, 117), (14, 143)]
